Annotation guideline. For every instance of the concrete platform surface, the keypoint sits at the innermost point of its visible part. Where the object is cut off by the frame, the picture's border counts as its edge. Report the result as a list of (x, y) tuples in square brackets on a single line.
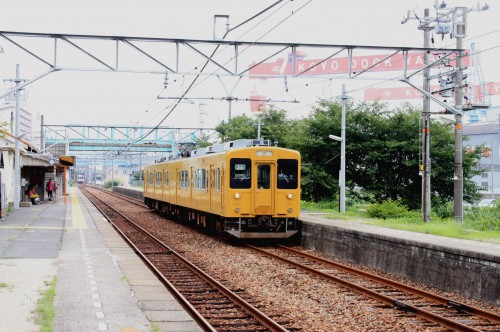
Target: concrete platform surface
[(101, 284)]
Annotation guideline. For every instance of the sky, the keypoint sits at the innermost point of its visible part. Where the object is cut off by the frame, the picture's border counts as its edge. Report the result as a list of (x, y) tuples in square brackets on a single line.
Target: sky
[(75, 97)]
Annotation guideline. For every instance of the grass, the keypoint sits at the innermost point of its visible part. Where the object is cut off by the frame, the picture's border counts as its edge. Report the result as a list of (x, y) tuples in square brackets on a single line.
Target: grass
[(411, 222), (3, 285), (45, 311)]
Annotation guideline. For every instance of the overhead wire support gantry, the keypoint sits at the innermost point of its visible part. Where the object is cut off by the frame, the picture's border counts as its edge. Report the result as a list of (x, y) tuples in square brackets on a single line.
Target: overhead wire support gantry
[(156, 62)]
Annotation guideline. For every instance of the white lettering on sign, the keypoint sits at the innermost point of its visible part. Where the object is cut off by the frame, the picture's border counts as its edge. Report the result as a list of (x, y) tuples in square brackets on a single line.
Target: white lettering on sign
[(496, 87)]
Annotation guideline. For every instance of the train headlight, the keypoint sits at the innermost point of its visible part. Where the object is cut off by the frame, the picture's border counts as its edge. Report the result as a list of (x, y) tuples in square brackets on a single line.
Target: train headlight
[(237, 195), (289, 196), (237, 210), (290, 210)]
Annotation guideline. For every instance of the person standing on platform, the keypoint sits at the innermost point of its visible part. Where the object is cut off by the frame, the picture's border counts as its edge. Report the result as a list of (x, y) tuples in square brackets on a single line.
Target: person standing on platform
[(50, 188)]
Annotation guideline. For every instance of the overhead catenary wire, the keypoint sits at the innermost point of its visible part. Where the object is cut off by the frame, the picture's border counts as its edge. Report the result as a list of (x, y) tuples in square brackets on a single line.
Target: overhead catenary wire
[(197, 76)]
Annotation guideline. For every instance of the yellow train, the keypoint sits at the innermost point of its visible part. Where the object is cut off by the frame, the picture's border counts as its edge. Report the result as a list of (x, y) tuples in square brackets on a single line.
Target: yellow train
[(247, 188)]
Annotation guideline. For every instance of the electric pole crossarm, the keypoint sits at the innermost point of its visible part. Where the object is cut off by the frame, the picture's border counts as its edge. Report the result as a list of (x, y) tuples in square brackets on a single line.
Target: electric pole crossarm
[(436, 100), (429, 65)]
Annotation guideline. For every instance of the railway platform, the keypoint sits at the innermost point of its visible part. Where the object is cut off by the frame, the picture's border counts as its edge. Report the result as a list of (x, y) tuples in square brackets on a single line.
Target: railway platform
[(100, 283), (469, 268)]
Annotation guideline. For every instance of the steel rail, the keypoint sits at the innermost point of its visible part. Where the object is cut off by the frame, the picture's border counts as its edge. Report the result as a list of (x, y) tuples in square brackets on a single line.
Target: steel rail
[(183, 301), (118, 195), (375, 295), (256, 313), (491, 316)]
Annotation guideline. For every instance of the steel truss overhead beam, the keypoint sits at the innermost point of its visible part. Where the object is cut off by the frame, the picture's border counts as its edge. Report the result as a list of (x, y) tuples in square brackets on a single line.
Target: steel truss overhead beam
[(169, 63), (120, 139)]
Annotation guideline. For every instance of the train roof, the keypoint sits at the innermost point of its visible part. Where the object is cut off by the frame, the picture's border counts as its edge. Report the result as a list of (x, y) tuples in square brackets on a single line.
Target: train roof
[(224, 147)]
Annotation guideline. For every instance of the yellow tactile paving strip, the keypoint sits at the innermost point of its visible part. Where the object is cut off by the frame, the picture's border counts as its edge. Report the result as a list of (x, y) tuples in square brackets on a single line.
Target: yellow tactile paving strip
[(77, 214)]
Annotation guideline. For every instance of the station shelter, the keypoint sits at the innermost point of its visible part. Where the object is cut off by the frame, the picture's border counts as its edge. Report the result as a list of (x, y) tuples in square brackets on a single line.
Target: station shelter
[(35, 168)]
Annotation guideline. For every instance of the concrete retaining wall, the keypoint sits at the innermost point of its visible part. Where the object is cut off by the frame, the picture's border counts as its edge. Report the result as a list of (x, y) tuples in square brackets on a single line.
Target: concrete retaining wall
[(473, 275), (130, 191)]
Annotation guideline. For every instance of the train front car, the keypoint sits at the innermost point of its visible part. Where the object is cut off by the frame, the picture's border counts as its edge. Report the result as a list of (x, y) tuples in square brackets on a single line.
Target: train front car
[(263, 191)]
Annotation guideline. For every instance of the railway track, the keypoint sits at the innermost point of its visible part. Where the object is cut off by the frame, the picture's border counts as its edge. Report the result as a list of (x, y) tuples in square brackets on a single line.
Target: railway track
[(129, 199), (214, 306), (431, 308)]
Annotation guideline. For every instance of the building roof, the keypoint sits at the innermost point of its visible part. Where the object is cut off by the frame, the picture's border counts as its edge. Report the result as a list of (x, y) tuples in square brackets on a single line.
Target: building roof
[(480, 128)]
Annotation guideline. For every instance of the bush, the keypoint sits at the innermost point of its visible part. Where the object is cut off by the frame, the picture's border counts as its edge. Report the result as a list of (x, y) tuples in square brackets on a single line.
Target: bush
[(387, 210), (482, 219), (110, 184), (443, 210)]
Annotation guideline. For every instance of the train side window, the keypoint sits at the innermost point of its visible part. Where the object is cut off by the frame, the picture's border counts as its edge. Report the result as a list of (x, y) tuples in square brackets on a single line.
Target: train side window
[(240, 173), (264, 176), (158, 178), (288, 173), (150, 180), (166, 179), (184, 179), (201, 179)]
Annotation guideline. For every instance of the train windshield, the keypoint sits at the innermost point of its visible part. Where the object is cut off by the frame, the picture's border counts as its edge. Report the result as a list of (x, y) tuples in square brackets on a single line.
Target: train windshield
[(264, 176), (240, 173), (287, 173)]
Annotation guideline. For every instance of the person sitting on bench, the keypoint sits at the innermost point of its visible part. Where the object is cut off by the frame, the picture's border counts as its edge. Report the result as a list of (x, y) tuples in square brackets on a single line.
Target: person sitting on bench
[(35, 199)]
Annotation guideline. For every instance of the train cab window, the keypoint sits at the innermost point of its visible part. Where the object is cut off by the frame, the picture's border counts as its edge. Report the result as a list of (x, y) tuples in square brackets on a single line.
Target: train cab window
[(287, 173), (263, 176), (240, 173)]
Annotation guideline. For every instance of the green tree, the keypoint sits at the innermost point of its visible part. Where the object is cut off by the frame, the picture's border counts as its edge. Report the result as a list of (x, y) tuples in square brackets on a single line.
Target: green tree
[(274, 126), (138, 175), (203, 141), (382, 152)]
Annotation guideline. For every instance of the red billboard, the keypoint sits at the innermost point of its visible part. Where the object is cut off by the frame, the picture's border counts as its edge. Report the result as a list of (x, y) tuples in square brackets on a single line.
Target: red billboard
[(382, 62)]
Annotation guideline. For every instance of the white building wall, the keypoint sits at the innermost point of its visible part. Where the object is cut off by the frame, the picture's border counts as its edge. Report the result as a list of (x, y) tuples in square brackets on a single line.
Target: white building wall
[(7, 173)]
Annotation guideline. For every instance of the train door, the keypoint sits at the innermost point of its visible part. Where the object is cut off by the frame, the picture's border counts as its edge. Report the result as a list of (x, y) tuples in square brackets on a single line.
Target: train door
[(264, 188), (177, 185), (211, 188), (221, 185), (191, 185)]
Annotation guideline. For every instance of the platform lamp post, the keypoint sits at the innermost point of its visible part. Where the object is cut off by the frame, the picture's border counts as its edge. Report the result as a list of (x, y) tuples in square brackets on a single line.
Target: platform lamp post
[(341, 139)]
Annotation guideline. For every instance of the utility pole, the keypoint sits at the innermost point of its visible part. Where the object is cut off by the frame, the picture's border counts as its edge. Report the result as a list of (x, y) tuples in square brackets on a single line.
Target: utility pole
[(15, 121), (425, 168), (459, 32), (17, 166)]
